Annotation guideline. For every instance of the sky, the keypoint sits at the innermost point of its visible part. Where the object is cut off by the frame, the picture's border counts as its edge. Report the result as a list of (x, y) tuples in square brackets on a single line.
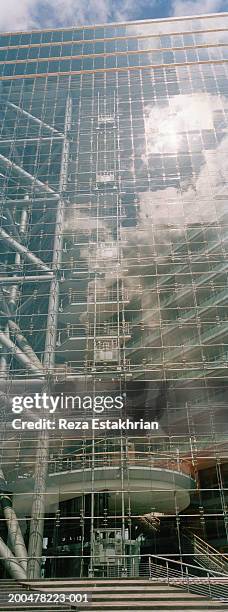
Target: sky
[(32, 14)]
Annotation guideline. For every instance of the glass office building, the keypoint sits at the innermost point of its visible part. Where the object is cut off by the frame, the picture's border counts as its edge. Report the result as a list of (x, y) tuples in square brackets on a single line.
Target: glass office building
[(113, 237)]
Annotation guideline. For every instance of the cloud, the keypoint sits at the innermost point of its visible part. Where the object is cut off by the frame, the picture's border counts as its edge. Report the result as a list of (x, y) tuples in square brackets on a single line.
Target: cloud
[(164, 125), (180, 8), (28, 14), (17, 16), (32, 14)]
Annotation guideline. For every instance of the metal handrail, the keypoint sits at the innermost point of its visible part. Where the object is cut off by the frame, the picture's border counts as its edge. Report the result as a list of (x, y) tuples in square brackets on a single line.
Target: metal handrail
[(216, 586), (202, 549), (114, 459), (209, 546), (157, 569), (74, 330)]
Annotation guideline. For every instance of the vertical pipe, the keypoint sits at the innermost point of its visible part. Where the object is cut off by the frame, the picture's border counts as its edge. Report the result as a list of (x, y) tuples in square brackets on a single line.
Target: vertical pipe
[(41, 467), (92, 511), (14, 530), (4, 356), (24, 222), (12, 566), (122, 450), (14, 291), (82, 523), (91, 563), (15, 536)]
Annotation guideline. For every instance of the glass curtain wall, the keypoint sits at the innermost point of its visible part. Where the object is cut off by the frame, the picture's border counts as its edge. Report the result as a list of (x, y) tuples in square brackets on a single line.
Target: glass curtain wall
[(113, 241)]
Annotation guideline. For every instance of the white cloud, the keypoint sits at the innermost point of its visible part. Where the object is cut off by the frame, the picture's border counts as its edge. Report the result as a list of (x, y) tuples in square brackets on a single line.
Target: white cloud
[(28, 14), (16, 15), (164, 125), (180, 8)]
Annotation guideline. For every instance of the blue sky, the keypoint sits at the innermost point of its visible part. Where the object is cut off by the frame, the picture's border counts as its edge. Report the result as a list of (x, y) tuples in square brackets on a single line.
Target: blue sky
[(28, 14)]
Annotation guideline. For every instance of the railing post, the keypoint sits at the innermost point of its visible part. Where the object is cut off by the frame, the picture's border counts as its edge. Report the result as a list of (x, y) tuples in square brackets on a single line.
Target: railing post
[(209, 584), (187, 576), (182, 570), (167, 571), (150, 567)]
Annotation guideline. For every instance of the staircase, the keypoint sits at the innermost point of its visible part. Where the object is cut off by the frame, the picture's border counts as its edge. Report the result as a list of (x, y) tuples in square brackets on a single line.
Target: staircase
[(12, 586), (205, 555), (116, 596)]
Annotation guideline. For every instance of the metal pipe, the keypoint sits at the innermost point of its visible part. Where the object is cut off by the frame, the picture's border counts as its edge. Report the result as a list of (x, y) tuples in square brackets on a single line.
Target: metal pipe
[(26, 361), (38, 507), (4, 358), (41, 469), (14, 530), (15, 291), (15, 535), (122, 450), (35, 119), (24, 385), (12, 566), (26, 139), (4, 304), (13, 299), (24, 345), (23, 250), (28, 201), (12, 223), (28, 279), (25, 174), (24, 221)]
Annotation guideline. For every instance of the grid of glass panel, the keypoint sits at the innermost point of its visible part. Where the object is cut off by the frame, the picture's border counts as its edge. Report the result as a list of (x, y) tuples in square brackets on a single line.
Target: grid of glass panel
[(113, 238)]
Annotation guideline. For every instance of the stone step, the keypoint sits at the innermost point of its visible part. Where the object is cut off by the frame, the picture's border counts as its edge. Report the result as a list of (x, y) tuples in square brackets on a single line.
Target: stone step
[(100, 582), (69, 586), (157, 596), (113, 596), (181, 606), (109, 591), (13, 607), (122, 607), (41, 608)]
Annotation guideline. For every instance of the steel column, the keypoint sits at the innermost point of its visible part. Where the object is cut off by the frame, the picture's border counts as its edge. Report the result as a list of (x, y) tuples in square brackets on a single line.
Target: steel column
[(17, 246), (19, 354), (12, 566), (41, 468), (24, 345)]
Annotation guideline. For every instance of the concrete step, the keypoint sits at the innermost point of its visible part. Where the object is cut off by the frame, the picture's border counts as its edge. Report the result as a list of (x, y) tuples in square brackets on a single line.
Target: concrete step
[(155, 596), (132, 606), (183, 604), (133, 595), (108, 591), (34, 608)]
